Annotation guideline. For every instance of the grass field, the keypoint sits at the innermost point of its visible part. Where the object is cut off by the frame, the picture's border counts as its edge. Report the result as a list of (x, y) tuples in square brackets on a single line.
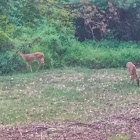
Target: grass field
[(76, 94)]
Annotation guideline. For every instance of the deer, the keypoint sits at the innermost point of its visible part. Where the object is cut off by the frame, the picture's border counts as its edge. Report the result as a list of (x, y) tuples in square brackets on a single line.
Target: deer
[(29, 58), (131, 69)]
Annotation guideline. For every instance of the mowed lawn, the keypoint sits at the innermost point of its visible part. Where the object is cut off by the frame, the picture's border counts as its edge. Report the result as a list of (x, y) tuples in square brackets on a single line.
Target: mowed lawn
[(79, 94)]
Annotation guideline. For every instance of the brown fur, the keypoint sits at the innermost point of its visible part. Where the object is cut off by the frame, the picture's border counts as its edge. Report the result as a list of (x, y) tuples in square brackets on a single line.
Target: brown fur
[(29, 58), (131, 68)]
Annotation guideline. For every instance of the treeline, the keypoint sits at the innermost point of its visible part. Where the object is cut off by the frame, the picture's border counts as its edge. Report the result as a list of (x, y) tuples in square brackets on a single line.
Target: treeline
[(67, 30), (120, 23)]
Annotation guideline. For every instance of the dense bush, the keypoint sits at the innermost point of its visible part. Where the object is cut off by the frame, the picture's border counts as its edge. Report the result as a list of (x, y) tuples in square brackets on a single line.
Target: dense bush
[(61, 50), (102, 20), (48, 27), (103, 55)]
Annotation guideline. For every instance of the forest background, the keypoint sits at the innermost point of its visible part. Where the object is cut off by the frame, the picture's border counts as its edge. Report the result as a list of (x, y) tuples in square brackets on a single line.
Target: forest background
[(83, 33)]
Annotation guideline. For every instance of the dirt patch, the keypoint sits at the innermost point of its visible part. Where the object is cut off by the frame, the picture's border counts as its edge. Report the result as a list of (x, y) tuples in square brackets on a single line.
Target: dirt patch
[(121, 124)]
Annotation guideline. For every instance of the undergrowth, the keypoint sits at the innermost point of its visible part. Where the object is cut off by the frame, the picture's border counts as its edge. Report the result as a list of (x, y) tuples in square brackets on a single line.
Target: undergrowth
[(61, 49)]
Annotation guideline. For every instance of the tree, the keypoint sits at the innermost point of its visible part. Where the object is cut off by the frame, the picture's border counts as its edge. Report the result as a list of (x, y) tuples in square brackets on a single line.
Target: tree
[(95, 20)]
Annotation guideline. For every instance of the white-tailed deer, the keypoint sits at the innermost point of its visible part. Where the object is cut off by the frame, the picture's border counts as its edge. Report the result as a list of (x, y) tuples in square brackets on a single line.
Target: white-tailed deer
[(131, 68), (29, 58)]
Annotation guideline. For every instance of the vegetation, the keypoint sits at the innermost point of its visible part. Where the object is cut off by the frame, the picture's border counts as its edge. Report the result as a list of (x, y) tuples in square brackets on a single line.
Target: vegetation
[(120, 137), (74, 94), (57, 28), (86, 44)]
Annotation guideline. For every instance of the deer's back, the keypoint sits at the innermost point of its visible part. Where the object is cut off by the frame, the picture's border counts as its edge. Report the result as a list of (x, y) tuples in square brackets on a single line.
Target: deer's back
[(34, 56), (39, 55), (131, 68)]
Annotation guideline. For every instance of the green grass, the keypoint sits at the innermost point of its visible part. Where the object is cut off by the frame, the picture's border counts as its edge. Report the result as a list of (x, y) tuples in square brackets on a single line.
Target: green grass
[(120, 137), (78, 94)]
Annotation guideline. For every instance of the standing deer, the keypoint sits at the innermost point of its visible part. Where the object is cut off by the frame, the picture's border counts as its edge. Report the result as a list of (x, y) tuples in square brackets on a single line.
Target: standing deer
[(29, 58), (131, 68)]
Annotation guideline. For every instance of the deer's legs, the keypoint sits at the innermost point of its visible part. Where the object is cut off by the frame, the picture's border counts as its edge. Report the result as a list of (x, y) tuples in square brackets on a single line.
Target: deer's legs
[(40, 63), (38, 66), (132, 78), (43, 66), (129, 77), (29, 66)]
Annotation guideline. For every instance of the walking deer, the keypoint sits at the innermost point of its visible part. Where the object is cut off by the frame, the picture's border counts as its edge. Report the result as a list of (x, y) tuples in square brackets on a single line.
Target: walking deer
[(29, 58), (131, 68)]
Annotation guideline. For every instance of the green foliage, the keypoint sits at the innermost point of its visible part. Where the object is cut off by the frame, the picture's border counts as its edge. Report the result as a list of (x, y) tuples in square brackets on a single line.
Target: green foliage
[(61, 49), (54, 10), (118, 3), (6, 29), (9, 63), (3, 35), (5, 25), (102, 55), (103, 3), (121, 137), (48, 26), (20, 12), (6, 41), (7, 53)]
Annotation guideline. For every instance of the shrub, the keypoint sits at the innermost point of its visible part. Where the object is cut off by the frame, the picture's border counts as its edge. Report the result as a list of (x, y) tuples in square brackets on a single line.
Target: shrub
[(61, 49)]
